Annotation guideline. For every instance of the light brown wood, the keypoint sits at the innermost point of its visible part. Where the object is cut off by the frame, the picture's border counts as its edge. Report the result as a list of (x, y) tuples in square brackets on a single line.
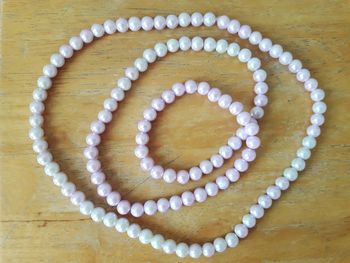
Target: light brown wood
[(310, 223)]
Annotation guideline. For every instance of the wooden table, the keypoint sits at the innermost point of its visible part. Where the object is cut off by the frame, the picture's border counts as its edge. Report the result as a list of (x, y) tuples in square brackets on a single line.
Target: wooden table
[(310, 223)]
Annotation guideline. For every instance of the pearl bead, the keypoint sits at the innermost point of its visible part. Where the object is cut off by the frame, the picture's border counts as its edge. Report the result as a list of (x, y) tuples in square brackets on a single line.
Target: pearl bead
[(223, 22), (200, 195), (195, 173), (187, 198), (234, 26), (50, 70), (161, 49), (295, 66), (309, 142), (304, 153), (77, 198), (86, 35), (290, 173), (146, 236), (150, 55), (226, 152), (259, 75), (44, 158), (51, 168), (257, 211), (236, 108), (265, 201), (141, 65), (214, 94), (150, 207), (163, 205), (67, 189), (141, 151), (172, 21), (265, 45), (157, 172), (313, 131), (122, 225), (244, 55), (182, 250), (282, 183), (93, 139), (159, 22), (147, 164), (122, 25), (113, 198), (241, 230), (36, 107), (276, 51), (123, 207), (249, 220), (319, 107), (98, 178), (185, 43), (206, 166), (183, 177), (253, 64), (317, 95), (285, 58), (197, 43), (217, 160), (93, 166), (231, 240), (86, 207), (195, 251), (211, 189), (317, 119), (251, 129), (311, 84), (98, 30), (134, 23), (232, 174), (244, 32), (209, 19), (44, 82), (274, 192), (298, 164), (132, 73), (261, 88), (233, 49), (76, 43), (209, 44), (144, 126), (253, 142), (184, 19), (157, 242), (197, 19), (36, 120), (257, 112), (169, 175), (173, 45), (158, 104), (137, 209), (175, 202), (40, 146), (169, 246), (243, 118), (221, 46), (255, 38), (220, 244), (208, 249), (110, 219), (303, 75), (249, 155), (141, 138), (147, 23), (133, 231), (178, 89), (59, 179), (234, 142), (66, 51), (39, 94), (118, 94)]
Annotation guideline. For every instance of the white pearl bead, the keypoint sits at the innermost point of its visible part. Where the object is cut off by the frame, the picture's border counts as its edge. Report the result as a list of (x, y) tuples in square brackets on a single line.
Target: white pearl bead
[(226, 151), (134, 23), (86, 35), (259, 75), (110, 104), (276, 51), (290, 173), (317, 95), (141, 64), (98, 30), (208, 250), (311, 84), (184, 19), (110, 27), (304, 153), (159, 22), (234, 26), (132, 73), (257, 112), (317, 119), (157, 241), (196, 19), (214, 94), (173, 45), (105, 116), (76, 43), (209, 44), (146, 236), (195, 251), (169, 246), (172, 21), (122, 25), (265, 45), (67, 189), (298, 164), (110, 219), (185, 43), (40, 146), (86, 207), (265, 201), (44, 82), (122, 225), (309, 142), (313, 130), (59, 179), (51, 169), (233, 49), (161, 49), (282, 183), (221, 46), (217, 160), (254, 64), (222, 182), (147, 23), (223, 22), (36, 120), (197, 43), (274, 192), (125, 83), (66, 51), (50, 70), (231, 240), (285, 58), (255, 38), (244, 55), (36, 107), (209, 19), (303, 75), (206, 166), (241, 230), (133, 231), (257, 211), (57, 60), (36, 133), (244, 32), (118, 94), (319, 107), (182, 250), (220, 244), (295, 66), (168, 96), (249, 220), (150, 55)]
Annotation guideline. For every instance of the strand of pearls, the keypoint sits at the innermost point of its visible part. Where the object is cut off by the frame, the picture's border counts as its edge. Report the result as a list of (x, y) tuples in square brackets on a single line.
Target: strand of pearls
[(121, 224)]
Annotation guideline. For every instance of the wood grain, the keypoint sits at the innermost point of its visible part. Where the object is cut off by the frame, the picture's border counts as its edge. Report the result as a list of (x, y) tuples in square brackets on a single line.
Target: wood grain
[(310, 223)]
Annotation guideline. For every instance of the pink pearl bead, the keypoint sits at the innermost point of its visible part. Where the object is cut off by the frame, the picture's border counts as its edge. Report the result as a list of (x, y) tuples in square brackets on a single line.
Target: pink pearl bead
[(206, 167), (222, 182), (217, 160), (163, 205), (179, 89), (183, 177), (137, 209), (235, 143), (150, 207), (147, 23), (150, 114), (97, 127), (253, 142), (93, 139), (251, 129), (144, 126), (157, 172), (169, 175), (244, 32), (175, 202), (113, 198), (158, 104), (236, 108), (146, 164), (191, 86), (104, 189), (223, 22), (159, 22), (168, 96), (211, 189), (187, 198), (98, 178), (200, 195), (203, 88), (249, 155), (91, 152), (241, 165), (243, 118), (142, 138), (234, 26), (93, 166), (77, 198), (123, 207), (232, 174), (195, 173)]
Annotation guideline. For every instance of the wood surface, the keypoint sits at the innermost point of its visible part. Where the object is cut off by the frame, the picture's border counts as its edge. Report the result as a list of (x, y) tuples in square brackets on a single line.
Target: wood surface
[(310, 223)]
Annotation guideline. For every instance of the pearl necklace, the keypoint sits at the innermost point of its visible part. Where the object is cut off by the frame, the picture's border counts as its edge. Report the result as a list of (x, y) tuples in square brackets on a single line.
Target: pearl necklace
[(122, 25), (249, 128)]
